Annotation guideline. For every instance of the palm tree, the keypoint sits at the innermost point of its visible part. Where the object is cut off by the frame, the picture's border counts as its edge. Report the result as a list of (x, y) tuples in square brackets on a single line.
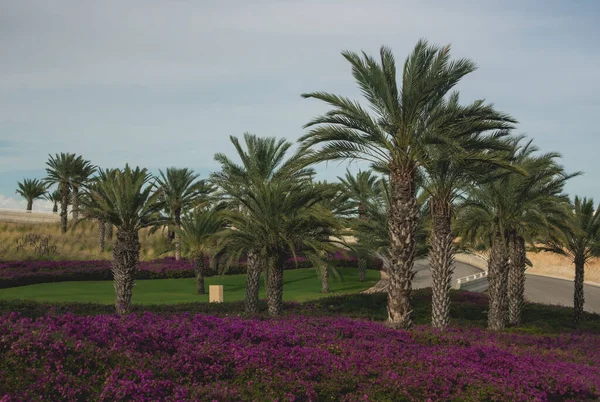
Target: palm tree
[(124, 198), (394, 134), (279, 220), (579, 240), (263, 160), (505, 212), (54, 197), (361, 189), (373, 235), (31, 189), (82, 171), (198, 232), (61, 170), (180, 191)]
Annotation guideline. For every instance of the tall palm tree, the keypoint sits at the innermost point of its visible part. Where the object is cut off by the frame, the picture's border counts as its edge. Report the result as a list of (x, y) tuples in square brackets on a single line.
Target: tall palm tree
[(373, 235), (505, 212), (54, 197), (279, 220), (394, 134), (361, 190), (124, 198), (81, 175), (579, 240), (198, 234), (61, 170), (31, 189), (263, 160), (180, 190)]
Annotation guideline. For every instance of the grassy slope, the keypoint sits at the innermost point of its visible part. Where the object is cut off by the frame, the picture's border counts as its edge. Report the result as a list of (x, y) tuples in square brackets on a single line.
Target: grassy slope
[(299, 285), (79, 243)]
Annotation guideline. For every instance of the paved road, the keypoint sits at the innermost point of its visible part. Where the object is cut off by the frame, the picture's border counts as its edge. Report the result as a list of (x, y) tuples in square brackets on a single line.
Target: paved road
[(423, 275), (538, 289)]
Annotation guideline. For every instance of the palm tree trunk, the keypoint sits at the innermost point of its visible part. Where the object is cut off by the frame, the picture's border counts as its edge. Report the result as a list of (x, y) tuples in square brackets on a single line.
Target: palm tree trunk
[(176, 236), (497, 269), (362, 269), (177, 247), (75, 202), (325, 280), (578, 295), (64, 204), (275, 286), (125, 259), (441, 262), (362, 262), (253, 268), (516, 279), (199, 268), (403, 217), (29, 205), (101, 235), (109, 231)]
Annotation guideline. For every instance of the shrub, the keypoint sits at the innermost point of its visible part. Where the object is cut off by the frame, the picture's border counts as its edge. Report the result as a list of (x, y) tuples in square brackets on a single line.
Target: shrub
[(31, 272)]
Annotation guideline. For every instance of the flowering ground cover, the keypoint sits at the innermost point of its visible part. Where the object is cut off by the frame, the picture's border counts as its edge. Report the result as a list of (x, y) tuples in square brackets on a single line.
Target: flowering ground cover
[(20, 273), (295, 358)]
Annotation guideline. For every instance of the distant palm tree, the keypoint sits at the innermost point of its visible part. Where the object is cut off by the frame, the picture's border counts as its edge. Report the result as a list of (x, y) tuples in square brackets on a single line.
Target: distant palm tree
[(395, 134), (54, 197), (361, 189), (61, 170), (180, 190), (263, 160), (580, 241), (505, 212), (80, 177), (198, 236), (31, 189), (124, 198)]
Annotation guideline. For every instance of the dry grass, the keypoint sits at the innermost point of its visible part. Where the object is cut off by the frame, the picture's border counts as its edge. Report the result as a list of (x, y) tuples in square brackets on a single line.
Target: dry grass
[(79, 243)]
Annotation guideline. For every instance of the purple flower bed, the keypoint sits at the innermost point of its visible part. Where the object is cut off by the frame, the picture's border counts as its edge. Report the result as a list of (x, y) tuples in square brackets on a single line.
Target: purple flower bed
[(30, 272), (183, 357)]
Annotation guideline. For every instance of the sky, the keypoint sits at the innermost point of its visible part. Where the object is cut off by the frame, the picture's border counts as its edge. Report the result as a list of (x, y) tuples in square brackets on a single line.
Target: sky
[(160, 83)]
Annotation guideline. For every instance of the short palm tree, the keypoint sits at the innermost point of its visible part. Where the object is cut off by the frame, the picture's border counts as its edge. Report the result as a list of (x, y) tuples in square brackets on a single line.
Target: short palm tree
[(361, 190), (579, 240), (54, 197), (263, 160), (180, 190), (198, 233), (61, 170), (31, 189), (505, 212), (394, 134), (280, 220), (124, 198)]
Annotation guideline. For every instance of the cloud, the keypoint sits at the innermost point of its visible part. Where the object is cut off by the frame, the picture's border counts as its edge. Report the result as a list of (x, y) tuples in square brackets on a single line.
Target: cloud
[(159, 83)]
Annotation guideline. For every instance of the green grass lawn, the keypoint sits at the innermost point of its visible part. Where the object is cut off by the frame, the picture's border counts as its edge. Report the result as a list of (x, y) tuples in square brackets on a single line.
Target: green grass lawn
[(299, 285)]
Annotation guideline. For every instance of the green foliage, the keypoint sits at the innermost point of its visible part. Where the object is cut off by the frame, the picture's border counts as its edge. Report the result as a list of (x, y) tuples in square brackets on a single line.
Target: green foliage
[(31, 189), (124, 198)]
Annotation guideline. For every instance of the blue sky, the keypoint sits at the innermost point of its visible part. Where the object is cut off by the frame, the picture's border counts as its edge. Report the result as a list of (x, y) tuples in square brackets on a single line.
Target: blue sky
[(161, 83)]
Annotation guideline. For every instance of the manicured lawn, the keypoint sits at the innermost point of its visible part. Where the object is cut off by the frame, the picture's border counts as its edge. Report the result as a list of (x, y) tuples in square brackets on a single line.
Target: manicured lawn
[(299, 285)]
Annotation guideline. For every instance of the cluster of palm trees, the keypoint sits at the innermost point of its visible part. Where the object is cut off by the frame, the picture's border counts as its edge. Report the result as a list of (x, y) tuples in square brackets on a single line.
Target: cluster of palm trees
[(445, 176)]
